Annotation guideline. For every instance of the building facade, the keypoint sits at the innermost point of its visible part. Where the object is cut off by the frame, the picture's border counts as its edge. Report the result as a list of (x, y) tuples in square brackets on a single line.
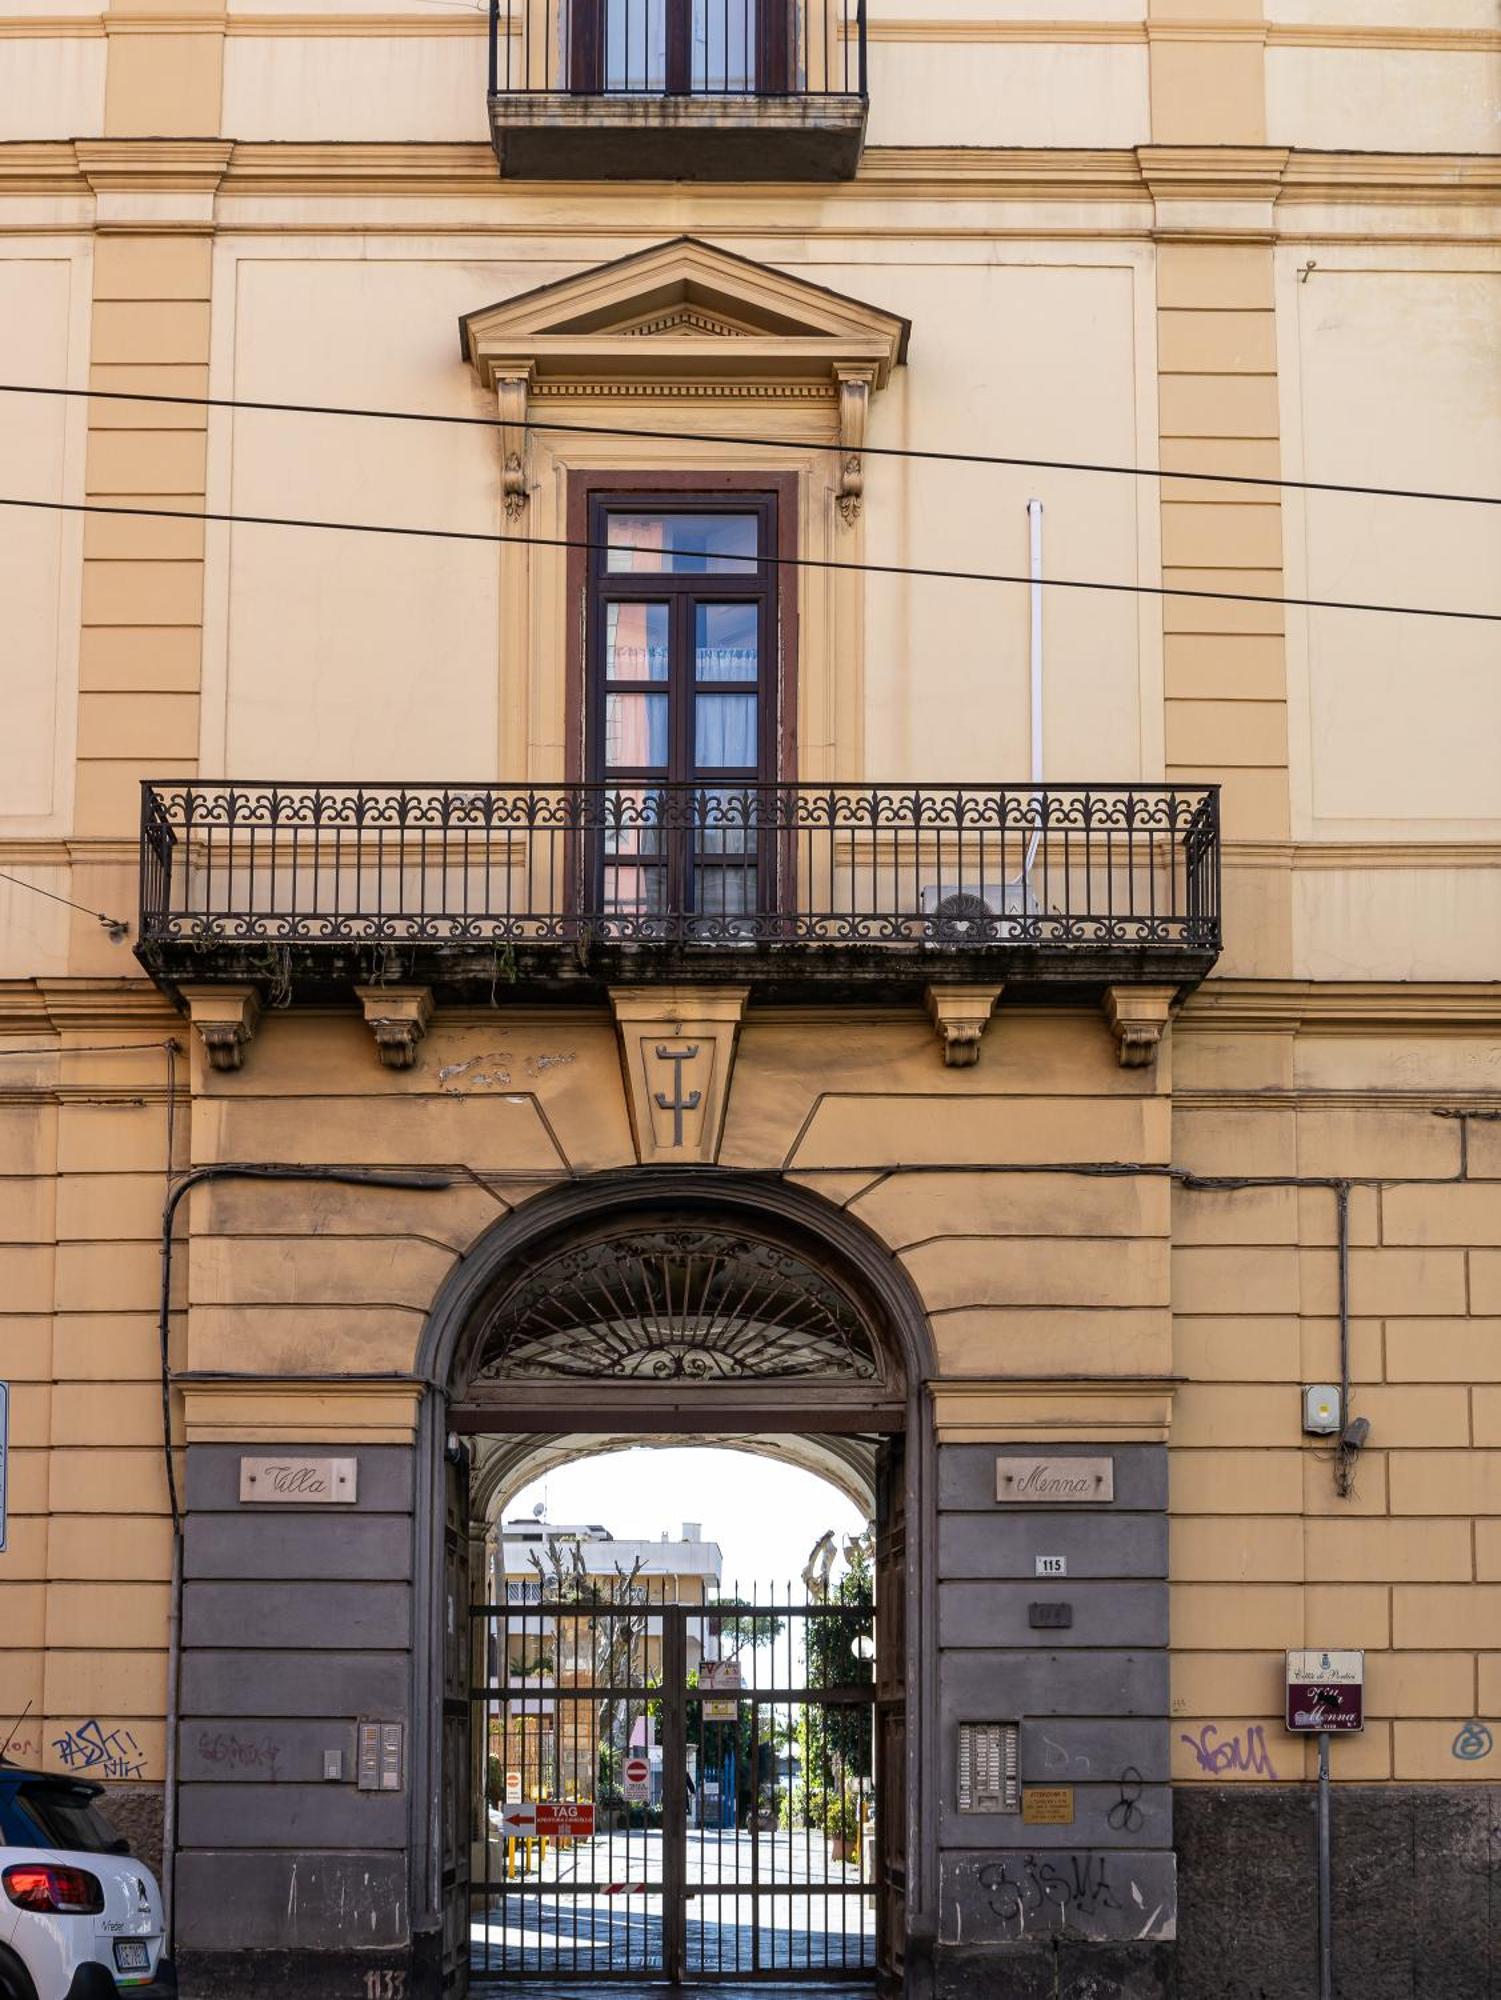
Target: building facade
[(631, 713)]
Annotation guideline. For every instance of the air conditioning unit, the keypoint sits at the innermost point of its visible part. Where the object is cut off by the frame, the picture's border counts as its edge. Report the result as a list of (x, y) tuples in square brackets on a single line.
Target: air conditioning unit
[(958, 914)]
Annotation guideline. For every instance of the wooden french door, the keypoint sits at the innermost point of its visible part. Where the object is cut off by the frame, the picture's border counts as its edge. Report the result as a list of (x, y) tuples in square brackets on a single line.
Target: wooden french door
[(678, 47), (681, 716)]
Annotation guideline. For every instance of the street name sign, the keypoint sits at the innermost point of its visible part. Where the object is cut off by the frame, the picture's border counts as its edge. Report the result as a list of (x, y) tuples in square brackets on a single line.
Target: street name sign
[(1325, 1690)]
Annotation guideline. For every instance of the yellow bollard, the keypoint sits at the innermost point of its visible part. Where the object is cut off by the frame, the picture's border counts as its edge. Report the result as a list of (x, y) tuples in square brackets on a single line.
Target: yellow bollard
[(511, 1858)]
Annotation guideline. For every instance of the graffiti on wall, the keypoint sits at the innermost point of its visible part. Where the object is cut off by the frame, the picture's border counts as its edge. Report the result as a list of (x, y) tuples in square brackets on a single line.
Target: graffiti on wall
[(91, 1750), (1243, 1752), (1473, 1742)]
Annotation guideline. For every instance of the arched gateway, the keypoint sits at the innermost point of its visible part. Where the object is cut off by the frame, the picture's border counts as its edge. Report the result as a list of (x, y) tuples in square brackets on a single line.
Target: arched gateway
[(657, 1306)]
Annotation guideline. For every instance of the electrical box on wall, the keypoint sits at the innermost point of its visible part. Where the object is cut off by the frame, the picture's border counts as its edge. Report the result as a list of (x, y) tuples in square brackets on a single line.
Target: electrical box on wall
[(987, 1767), (1321, 1409)]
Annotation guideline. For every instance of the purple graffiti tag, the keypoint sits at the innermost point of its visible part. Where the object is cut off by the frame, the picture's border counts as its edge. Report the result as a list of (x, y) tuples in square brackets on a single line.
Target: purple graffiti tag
[(1244, 1752)]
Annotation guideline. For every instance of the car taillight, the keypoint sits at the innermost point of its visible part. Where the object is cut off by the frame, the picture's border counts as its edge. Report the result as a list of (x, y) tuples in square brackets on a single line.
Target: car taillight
[(63, 1892)]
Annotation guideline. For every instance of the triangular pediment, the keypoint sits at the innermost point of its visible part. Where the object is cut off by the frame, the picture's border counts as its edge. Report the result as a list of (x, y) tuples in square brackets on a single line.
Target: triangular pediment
[(683, 309)]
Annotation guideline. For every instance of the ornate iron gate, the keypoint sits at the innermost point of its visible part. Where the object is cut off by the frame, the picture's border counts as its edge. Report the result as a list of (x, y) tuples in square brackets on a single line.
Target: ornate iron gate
[(673, 1790)]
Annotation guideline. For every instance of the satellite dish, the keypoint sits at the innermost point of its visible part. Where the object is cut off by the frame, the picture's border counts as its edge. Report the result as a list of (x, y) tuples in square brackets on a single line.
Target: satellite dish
[(539, 1510)]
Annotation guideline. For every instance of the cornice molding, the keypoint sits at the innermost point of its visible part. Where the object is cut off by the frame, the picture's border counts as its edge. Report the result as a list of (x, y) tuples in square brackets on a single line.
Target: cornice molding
[(68, 1006), (361, 170), (1372, 36), (53, 27), (1322, 857), (119, 166), (1354, 1007)]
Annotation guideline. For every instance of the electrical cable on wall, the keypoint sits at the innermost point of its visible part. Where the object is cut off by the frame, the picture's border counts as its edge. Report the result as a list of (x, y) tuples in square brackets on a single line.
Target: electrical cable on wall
[(933, 455), (494, 538), (116, 927)]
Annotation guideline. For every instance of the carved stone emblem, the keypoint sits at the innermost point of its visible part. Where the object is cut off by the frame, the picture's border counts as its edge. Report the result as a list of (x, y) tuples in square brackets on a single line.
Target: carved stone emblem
[(677, 1051)]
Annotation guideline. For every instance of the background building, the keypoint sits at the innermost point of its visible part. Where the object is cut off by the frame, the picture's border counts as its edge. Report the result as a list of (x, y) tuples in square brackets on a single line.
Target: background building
[(1038, 1120)]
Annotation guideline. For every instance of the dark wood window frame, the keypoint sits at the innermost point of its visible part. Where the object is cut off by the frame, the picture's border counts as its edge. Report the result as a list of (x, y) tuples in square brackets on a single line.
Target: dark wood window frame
[(779, 684), (768, 41)]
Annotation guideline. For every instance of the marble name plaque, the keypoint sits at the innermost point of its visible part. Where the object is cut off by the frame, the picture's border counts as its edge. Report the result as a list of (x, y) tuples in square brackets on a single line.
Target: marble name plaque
[(1049, 1482)]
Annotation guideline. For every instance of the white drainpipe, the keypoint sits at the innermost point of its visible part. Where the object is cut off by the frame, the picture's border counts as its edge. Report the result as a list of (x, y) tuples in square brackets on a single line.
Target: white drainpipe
[(1034, 524)]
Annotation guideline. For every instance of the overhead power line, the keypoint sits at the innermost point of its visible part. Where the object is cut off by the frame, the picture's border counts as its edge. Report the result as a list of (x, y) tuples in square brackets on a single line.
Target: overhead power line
[(773, 561), (116, 926), (770, 443)]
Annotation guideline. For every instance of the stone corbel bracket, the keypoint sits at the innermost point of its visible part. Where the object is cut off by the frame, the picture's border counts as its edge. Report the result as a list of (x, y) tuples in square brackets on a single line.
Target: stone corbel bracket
[(224, 1018), (959, 1015), (1138, 1017), (855, 385), (513, 384), (397, 1016)]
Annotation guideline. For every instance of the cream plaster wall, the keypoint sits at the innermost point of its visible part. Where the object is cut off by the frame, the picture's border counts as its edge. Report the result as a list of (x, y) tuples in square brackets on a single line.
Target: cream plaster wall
[(1383, 99), (1430, 14), (1007, 93), (1033, 356), (346, 655), (51, 86), (355, 87), (1392, 376), (43, 319)]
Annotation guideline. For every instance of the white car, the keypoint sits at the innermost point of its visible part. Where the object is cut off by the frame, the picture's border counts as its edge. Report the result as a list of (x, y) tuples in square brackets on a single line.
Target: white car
[(80, 1918)]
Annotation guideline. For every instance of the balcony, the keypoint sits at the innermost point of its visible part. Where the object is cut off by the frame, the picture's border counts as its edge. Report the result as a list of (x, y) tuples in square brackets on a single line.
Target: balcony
[(794, 889), (698, 90)]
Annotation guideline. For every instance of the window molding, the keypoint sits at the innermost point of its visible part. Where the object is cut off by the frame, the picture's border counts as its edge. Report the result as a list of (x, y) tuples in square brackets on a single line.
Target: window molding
[(683, 320)]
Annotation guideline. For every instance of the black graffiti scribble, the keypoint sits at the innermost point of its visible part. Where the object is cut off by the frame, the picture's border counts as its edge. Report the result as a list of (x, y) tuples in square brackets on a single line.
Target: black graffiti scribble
[(1047, 1892), (1126, 1815)]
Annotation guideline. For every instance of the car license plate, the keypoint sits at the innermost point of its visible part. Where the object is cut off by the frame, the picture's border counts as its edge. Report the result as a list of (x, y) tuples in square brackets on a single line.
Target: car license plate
[(131, 1956)]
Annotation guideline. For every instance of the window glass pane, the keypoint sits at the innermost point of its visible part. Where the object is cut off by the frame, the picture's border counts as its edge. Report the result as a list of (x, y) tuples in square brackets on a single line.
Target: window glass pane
[(722, 45), (633, 822), (726, 820), (726, 891), (636, 45), (67, 1819), (725, 642), (636, 642), (724, 731), (636, 731), (634, 892), (681, 544)]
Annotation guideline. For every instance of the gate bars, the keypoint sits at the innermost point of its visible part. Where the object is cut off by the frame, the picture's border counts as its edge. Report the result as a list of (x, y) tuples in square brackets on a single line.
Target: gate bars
[(743, 1840)]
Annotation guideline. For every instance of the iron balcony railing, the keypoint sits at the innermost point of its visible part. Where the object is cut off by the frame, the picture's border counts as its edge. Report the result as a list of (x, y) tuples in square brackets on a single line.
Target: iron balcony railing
[(873, 873), (678, 48)]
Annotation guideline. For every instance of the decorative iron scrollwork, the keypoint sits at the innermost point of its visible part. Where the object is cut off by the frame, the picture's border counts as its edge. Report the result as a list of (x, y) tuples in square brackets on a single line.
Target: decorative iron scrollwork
[(677, 1304)]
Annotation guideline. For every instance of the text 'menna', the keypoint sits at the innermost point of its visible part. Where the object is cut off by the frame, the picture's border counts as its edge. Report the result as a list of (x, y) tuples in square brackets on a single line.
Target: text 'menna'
[(299, 1482), (1049, 1482)]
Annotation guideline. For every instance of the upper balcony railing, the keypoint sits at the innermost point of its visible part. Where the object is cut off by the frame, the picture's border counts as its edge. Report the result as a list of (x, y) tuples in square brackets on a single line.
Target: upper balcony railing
[(787, 886), (678, 89)]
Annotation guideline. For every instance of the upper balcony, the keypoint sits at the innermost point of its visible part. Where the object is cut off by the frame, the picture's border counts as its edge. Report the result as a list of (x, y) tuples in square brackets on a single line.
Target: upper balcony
[(698, 90), (795, 890)]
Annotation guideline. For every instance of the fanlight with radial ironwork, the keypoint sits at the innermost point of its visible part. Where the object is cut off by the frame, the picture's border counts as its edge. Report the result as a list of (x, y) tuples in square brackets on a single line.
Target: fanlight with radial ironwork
[(685, 1304)]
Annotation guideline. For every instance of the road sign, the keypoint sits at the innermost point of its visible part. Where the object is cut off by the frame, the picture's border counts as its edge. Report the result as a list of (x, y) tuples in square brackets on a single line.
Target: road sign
[(513, 1787), (549, 1818), (1325, 1690), (4, 1446), (636, 1780)]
